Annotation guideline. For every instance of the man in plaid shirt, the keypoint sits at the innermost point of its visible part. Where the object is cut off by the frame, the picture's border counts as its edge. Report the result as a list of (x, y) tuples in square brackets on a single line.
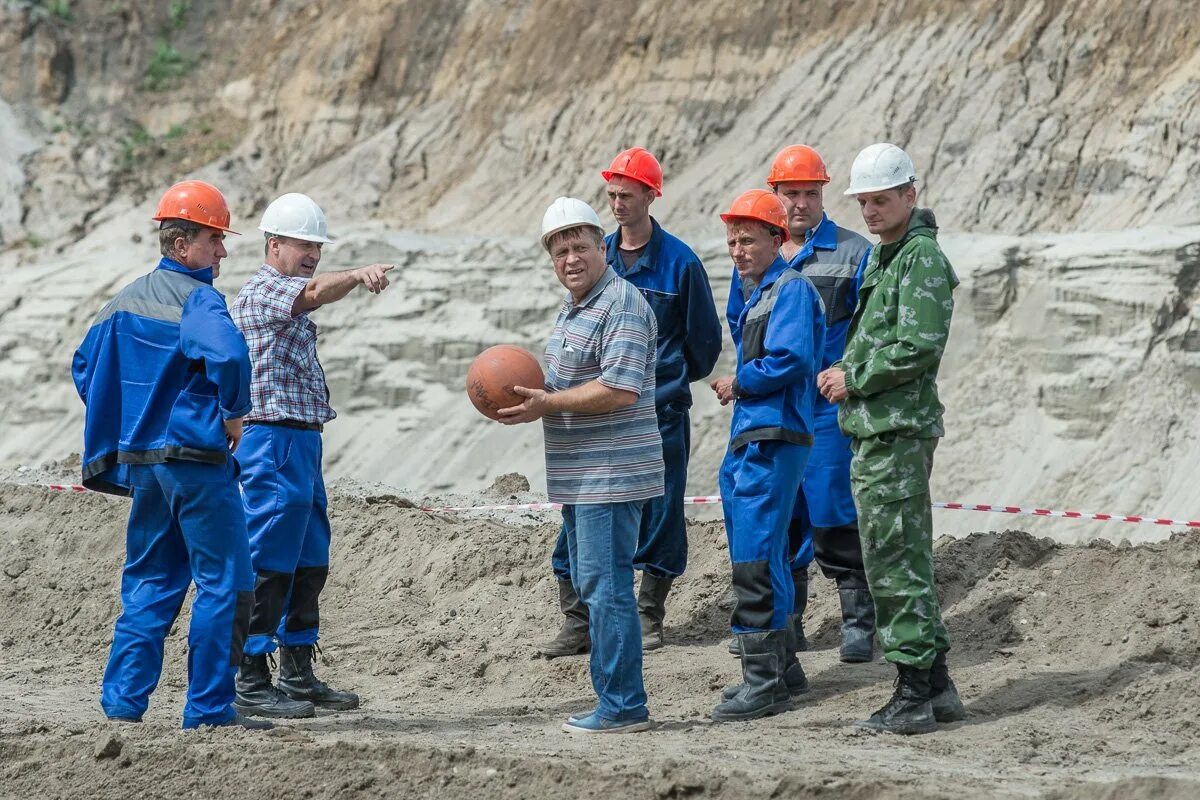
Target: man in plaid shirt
[(282, 487)]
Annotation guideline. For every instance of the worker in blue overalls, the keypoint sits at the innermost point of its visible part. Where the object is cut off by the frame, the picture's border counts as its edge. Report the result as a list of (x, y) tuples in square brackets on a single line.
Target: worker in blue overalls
[(778, 328), (674, 283), (165, 378), (825, 522)]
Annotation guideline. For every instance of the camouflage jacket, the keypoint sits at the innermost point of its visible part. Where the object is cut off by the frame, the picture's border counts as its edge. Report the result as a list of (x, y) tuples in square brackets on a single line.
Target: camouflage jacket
[(897, 336)]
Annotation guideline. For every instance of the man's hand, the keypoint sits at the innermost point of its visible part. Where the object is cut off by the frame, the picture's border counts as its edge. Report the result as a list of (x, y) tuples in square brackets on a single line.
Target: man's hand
[(374, 277), (533, 409), (724, 389), (233, 433), (832, 385)]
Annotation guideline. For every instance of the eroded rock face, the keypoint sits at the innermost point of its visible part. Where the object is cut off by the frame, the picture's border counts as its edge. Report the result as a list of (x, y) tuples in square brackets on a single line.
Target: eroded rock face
[(1074, 356)]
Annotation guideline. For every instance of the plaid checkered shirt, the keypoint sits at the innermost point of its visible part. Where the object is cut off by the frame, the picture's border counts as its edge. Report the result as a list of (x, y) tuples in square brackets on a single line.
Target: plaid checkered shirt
[(288, 382)]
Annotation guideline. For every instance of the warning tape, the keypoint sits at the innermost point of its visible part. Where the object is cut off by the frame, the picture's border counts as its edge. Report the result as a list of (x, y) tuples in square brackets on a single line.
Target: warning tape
[(712, 499)]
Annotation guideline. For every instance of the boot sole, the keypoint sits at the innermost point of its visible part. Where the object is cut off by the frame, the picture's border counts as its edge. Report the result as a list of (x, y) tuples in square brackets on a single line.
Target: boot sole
[(564, 653), (904, 730), (856, 659), (766, 711), (955, 715), (336, 706), (257, 711)]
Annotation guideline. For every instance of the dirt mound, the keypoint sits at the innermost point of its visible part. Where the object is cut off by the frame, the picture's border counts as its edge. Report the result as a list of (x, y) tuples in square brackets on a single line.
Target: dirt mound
[(1077, 665)]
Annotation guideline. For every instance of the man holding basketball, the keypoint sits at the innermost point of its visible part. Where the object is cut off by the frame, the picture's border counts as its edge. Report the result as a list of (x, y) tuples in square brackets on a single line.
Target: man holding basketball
[(603, 451)]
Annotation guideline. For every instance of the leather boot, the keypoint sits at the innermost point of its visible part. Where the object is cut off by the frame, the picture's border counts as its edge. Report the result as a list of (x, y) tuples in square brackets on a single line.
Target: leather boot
[(858, 620), (257, 697), (800, 581), (652, 609), (909, 711), (763, 691), (947, 705), (793, 674), (297, 681), (572, 638)]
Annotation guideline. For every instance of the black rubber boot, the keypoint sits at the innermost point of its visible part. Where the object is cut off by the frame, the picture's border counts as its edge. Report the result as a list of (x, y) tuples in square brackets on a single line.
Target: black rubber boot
[(297, 681), (652, 609), (793, 674), (909, 711), (572, 638), (800, 581), (256, 697), (947, 705), (858, 619), (763, 691)]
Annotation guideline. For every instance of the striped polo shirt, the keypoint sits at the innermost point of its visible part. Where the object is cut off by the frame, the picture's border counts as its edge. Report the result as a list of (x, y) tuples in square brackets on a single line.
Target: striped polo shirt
[(616, 456)]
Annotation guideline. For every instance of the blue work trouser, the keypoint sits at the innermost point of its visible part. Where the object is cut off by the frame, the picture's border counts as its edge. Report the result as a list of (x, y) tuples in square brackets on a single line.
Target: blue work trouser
[(825, 501), (287, 514), (662, 537), (601, 540), (185, 525), (759, 482)]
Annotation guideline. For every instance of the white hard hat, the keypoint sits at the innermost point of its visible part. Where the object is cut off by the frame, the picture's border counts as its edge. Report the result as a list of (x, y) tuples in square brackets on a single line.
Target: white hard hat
[(880, 166), (296, 216), (567, 212)]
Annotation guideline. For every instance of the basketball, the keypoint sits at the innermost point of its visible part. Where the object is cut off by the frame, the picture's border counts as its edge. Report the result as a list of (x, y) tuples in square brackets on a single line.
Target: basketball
[(494, 373)]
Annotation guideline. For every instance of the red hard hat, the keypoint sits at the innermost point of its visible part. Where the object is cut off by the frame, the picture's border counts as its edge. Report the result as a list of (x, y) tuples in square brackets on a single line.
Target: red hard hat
[(760, 206), (195, 201), (639, 164), (797, 162)]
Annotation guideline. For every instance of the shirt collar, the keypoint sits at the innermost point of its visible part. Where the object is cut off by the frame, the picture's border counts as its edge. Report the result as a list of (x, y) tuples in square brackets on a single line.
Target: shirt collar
[(647, 257), (824, 235), (203, 275), (608, 277)]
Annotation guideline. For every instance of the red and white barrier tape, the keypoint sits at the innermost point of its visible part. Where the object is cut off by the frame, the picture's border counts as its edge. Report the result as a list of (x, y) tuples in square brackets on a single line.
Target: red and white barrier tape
[(711, 499)]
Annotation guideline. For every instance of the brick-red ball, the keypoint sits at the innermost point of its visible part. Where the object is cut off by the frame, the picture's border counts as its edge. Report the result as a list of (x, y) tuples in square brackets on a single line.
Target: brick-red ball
[(493, 374)]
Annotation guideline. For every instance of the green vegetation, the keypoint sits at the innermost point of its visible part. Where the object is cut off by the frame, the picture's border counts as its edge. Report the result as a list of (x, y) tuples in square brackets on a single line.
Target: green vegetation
[(60, 9), (178, 12), (175, 132), (166, 67)]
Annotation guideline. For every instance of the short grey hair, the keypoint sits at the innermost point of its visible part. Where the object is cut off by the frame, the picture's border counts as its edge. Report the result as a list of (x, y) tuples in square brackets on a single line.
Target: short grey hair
[(576, 233), (172, 229)]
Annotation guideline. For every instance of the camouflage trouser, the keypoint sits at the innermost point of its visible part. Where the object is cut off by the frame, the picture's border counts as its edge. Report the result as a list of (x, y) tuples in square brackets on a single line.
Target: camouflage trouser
[(890, 478)]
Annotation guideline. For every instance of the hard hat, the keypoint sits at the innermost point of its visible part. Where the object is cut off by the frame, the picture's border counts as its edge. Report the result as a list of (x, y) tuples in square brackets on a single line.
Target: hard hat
[(760, 206), (797, 162), (295, 216), (195, 201), (567, 212), (880, 166), (637, 163)]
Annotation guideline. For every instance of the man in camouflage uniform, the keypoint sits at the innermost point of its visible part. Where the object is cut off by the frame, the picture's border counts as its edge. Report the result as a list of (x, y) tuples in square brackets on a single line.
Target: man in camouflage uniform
[(887, 386)]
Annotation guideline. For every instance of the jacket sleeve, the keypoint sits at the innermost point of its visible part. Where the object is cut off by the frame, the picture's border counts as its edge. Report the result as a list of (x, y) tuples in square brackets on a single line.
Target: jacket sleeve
[(702, 336), (735, 304), (207, 333), (922, 327), (80, 372), (791, 354)]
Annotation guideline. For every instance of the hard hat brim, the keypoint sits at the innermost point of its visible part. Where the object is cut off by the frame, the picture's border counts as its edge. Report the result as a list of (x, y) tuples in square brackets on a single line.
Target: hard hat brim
[(608, 174), (304, 237), (853, 190), (546, 236), (201, 224)]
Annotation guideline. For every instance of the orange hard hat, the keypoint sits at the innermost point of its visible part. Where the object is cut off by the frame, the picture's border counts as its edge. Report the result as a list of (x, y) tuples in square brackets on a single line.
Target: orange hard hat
[(760, 206), (195, 201), (797, 162), (639, 164)]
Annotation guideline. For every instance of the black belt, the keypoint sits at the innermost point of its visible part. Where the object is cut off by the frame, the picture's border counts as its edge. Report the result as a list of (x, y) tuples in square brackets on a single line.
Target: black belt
[(288, 423)]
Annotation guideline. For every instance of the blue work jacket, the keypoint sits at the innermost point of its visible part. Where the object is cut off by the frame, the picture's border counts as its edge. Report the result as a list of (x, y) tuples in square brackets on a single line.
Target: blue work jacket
[(779, 333), (672, 280), (159, 370)]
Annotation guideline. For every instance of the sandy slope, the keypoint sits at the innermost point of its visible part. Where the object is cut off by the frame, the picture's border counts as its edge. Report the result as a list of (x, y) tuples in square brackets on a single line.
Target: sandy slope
[(1077, 664)]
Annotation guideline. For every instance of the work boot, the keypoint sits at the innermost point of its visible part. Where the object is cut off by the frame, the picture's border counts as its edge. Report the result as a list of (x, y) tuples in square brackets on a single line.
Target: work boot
[(947, 705), (858, 621), (763, 691), (297, 681), (652, 609), (795, 619), (257, 697), (572, 638), (909, 711), (793, 674), (800, 580)]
